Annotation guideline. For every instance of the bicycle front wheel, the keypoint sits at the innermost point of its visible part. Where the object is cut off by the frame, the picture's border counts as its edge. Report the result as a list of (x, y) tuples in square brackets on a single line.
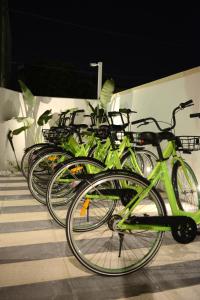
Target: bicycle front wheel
[(185, 186), (64, 183), (26, 157), (41, 172), (103, 249)]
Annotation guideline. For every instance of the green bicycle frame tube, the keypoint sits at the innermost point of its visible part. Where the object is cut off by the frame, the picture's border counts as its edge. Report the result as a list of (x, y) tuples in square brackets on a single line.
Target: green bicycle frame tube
[(159, 172)]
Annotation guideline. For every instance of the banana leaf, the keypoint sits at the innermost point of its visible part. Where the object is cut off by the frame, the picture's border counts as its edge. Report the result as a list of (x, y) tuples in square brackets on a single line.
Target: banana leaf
[(45, 117), (98, 113), (107, 92), (28, 97), (91, 107), (28, 121), (19, 130)]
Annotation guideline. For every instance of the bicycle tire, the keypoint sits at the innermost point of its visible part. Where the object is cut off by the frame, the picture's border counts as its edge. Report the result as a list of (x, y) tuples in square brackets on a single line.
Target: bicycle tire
[(187, 196), (42, 151), (98, 250), (146, 161), (25, 158), (41, 171), (64, 183)]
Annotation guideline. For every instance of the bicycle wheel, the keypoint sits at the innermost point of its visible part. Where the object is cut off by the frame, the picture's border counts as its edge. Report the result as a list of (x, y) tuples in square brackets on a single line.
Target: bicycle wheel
[(105, 250), (43, 151), (25, 158), (64, 183), (185, 186), (146, 161), (41, 171)]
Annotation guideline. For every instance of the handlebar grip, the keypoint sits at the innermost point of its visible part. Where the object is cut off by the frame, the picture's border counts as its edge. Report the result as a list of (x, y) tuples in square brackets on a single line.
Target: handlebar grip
[(78, 111), (126, 111), (197, 115), (186, 104), (144, 123), (138, 121), (64, 113), (114, 113)]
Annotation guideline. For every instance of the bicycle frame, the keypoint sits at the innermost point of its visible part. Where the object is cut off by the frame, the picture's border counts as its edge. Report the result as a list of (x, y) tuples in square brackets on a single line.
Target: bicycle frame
[(113, 157), (160, 172)]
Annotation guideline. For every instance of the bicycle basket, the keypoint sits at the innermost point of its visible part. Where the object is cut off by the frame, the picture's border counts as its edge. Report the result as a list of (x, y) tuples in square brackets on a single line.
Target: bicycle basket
[(56, 134), (45, 133), (189, 143)]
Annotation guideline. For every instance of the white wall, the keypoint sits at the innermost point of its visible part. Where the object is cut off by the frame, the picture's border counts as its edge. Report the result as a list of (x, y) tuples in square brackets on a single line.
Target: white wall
[(157, 99), (11, 105)]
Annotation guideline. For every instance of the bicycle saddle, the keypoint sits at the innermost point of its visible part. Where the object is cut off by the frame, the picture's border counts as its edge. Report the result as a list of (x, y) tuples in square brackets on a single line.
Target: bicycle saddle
[(79, 126)]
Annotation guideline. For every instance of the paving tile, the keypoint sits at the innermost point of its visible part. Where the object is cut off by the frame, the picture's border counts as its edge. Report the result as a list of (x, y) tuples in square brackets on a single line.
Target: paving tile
[(36, 262)]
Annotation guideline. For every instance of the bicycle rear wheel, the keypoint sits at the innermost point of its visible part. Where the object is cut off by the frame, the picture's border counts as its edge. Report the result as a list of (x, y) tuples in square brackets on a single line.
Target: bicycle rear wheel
[(103, 249), (185, 186)]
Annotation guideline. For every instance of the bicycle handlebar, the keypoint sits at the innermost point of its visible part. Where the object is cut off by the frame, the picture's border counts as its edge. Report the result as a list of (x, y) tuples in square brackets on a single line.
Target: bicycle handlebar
[(186, 104), (113, 113), (127, 111), (180, 106), (74, 113), (120, 113), (77, 111), (197, 115)]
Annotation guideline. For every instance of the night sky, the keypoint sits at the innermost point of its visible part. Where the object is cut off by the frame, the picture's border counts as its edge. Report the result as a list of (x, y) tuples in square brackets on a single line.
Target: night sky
[(136, 43)]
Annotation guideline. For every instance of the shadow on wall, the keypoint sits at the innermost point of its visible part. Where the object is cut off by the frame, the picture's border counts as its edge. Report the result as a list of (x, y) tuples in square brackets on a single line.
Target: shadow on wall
[(10, 108), (46, 100), (10, 105), (192, 88), (34, 133)]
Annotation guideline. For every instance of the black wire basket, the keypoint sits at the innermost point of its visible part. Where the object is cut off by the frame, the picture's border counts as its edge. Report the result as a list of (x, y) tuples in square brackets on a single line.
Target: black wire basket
[(45, 133), (55, 135), (189, 143)]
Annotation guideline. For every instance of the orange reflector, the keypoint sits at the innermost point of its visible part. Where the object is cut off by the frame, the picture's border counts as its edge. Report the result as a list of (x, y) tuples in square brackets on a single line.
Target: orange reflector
[(76, 169), (52, 157), (84, 207)]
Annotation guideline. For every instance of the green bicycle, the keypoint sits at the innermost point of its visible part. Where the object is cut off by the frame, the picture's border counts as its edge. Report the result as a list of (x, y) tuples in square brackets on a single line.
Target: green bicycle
[(64, 182), (50, 142), (131, 235)]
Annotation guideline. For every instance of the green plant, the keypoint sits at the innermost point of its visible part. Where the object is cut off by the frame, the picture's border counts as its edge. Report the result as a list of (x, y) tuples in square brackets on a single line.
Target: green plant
[(30, 127), (105, 98), (106, 93)]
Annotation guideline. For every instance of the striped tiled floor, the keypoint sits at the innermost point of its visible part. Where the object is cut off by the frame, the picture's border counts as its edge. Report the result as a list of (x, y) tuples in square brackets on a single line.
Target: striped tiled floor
[(36, 263)]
